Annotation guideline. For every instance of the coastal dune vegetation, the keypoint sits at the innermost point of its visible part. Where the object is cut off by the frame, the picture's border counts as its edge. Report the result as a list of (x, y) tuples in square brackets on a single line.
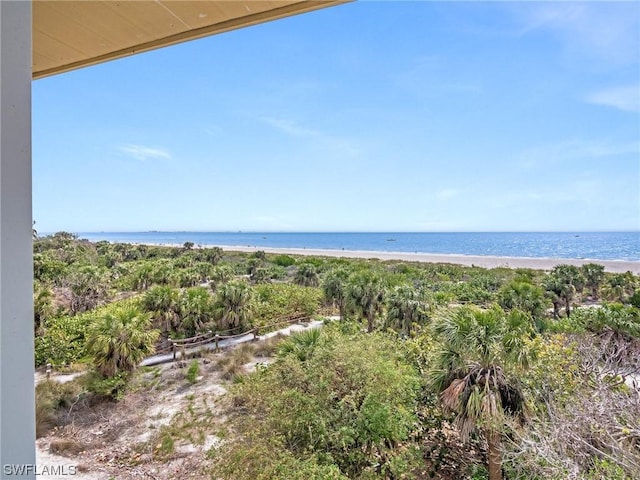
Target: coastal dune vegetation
[(419, 371)]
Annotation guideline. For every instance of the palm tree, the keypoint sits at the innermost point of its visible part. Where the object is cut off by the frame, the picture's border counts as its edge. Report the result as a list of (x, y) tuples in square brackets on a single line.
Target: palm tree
[(473, 372), (195, 307), (616, 319), (188, 277), (301, 344), (553, 290), (219, 275), (120, 339), (162, 302), (204, 270), (570, 281), (524, 296), (619, 287), (334, 289), (89, 287), (253, 264), (139, 251), (161, 273), (212, 255), (593, 275), (307, 275), (365, 295), (261, 275), (405, 306), (142, 277), (232, 305), (43, 307)]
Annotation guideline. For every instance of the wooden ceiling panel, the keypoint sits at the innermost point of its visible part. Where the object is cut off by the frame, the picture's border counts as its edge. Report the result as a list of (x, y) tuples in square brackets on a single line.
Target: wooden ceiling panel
[(72, 34)]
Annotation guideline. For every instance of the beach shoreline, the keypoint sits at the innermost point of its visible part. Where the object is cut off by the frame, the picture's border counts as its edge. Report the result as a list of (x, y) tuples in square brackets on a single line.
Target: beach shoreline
[(536, 263)]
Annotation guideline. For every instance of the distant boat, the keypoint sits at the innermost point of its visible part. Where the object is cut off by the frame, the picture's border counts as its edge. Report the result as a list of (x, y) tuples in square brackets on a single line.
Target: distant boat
[(391, 239), (576, 235)]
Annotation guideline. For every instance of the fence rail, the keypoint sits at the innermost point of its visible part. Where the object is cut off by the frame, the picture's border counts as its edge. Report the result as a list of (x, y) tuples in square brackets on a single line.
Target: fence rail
[(181, 345)]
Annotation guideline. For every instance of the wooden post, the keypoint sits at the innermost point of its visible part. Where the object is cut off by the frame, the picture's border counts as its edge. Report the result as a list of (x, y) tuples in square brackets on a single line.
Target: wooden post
[(48, 371), (174, 348), (217, 345), (255, 334)]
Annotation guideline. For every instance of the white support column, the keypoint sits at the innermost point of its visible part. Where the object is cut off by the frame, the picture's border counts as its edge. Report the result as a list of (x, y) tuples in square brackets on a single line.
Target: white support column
[(17, 404)]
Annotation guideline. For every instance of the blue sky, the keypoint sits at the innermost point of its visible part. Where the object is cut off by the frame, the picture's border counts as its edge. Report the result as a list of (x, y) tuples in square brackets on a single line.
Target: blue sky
[(370, 116)]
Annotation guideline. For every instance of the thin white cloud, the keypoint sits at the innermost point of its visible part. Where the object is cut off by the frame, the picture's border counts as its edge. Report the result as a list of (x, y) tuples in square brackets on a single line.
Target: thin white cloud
[(430, 77), (140, 152), (605, 30), (290, 127), (342, 146), (572, 150), (213, 130), (625, 98)]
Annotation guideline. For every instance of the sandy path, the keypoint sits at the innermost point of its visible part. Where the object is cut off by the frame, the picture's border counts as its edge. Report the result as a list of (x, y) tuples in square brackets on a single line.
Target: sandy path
[(55, 467)]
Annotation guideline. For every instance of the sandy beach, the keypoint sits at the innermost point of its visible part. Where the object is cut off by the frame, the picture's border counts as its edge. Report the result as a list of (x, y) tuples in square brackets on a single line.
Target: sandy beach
[(615, 266)]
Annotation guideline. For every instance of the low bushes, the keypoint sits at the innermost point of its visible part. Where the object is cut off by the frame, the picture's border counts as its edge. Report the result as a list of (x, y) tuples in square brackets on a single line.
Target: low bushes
[(339, 410)]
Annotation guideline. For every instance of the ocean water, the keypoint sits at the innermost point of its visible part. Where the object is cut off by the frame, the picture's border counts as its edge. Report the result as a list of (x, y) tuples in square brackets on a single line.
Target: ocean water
[(589, 245)]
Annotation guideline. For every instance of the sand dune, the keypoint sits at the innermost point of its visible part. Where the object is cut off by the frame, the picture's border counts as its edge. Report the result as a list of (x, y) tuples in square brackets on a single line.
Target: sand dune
[(617, 266)]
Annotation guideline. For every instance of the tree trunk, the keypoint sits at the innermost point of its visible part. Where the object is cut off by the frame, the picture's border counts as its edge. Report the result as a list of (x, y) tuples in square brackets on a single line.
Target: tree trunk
[(556, 309), (567, 307), (370, 323), (495, 457)]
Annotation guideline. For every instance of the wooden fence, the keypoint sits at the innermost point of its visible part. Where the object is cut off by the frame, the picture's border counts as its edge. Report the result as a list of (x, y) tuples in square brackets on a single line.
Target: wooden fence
[(183, 344)]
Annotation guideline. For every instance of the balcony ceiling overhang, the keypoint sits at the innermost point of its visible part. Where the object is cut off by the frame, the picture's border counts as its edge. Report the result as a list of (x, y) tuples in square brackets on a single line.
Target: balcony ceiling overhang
[(72, 34)]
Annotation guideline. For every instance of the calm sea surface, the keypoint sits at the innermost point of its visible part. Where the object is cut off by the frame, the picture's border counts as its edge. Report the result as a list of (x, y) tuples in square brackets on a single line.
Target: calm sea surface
[(592, 245)]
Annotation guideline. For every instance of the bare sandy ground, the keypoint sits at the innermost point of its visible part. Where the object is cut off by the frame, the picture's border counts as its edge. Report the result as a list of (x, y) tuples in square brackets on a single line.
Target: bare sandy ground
[(615, 266)]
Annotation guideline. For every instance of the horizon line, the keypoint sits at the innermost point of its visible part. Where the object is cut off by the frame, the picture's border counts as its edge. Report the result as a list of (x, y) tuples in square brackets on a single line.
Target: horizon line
[(340, 231)]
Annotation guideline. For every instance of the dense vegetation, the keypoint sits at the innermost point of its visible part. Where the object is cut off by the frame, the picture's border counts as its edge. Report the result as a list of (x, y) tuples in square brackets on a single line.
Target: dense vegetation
[(432, 371)]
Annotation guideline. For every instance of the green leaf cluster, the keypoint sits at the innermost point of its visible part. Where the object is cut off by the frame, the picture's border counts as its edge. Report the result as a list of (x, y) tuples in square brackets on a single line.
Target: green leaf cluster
[(283, 300), (348, 405)]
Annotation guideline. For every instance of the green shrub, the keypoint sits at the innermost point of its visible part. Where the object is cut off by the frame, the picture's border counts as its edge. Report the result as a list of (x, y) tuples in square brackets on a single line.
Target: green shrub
[(112, 388), (605, 469), (571, 324), (63, 338), (624, 319), (260, 458), (51, 398), (301, 344), (346, 406), (275, 301), (635, 299), (284, 260), (193, 372)]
